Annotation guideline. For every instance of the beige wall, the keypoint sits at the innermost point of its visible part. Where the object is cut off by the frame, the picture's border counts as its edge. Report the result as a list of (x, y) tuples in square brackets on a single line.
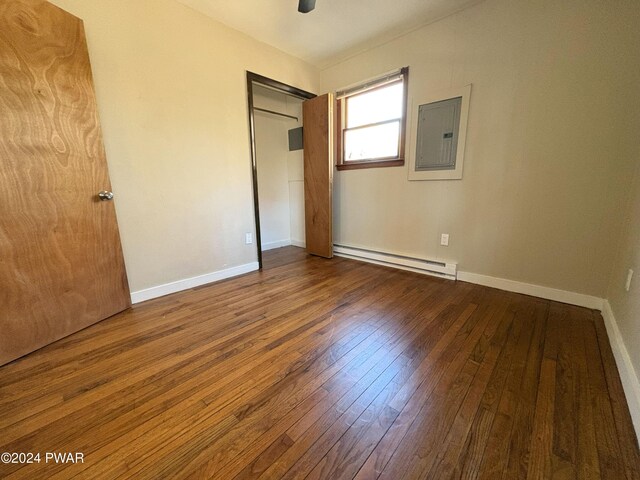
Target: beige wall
[(544, 170), (544, 173), (171, 93), (626, 305)]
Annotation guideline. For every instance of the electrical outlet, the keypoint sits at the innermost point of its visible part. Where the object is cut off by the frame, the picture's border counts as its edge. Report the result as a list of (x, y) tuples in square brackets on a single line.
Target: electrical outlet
[(444, 239), (248, 238), (627, 286)]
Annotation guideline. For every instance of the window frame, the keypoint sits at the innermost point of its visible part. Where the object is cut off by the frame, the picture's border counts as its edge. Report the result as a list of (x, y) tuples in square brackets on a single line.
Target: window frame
[(341, 129)]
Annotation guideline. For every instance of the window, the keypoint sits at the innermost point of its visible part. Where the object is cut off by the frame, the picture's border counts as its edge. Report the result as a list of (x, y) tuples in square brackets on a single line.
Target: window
[(371, 123)]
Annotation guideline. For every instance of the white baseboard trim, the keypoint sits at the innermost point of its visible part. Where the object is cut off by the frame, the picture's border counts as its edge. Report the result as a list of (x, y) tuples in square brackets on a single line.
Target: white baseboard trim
[(628, 375), (187, 283), (276, 244), (298, 243), (548, 293), (402, 262)]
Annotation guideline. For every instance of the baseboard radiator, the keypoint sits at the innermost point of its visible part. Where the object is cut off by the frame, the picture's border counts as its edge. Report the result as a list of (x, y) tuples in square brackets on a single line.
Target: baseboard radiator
[(412, 264)]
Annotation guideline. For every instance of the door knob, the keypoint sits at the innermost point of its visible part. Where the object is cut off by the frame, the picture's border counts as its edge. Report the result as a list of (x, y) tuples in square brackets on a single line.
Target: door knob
[(104, 195)]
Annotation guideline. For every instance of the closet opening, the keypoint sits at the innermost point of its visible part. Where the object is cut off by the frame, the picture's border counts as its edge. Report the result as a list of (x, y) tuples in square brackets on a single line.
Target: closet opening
[(275, 124)]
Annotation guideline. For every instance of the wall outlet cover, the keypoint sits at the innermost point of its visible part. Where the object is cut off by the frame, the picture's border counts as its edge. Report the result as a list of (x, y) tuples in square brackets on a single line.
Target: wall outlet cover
[(627, 285), (444, 239)]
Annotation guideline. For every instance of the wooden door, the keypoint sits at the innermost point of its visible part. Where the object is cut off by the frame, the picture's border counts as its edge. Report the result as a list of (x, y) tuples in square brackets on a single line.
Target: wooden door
[(61, 264), (318, 175)]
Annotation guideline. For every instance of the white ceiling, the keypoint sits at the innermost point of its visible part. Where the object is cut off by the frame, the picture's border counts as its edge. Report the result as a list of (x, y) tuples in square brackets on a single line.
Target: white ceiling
[(335, 30)]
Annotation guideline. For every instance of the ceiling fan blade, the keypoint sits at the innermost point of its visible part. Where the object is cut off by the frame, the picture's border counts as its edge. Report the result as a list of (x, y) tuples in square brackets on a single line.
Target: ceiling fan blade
[(305, 6)]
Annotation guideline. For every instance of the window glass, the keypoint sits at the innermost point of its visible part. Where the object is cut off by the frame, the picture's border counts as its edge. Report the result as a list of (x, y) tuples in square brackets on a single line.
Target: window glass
[(379, 141), (371, 122), (377, 105)]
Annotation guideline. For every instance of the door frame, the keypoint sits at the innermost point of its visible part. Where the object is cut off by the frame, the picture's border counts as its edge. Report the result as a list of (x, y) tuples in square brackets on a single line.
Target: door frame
[(286, 89)]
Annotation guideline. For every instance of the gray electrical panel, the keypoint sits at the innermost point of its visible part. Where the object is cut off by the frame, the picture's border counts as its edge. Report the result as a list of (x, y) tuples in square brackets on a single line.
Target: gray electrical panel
[(437, 136), (295, 139)]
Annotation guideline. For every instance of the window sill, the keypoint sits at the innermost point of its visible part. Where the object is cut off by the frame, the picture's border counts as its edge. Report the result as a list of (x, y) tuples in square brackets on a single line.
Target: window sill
[(370, 164)]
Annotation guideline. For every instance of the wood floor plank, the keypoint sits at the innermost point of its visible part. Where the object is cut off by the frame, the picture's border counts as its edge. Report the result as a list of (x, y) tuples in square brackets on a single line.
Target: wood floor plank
[(465, 463), (588, 465), (92, 375), (542, 436), (345, 457), (436, 415), (384, 330), (564, 452), (447, 458), (305, 439), (523, 421), (245, 387), (495, 460), (619, 407), (607, 439), (409, 400), (315, 368)]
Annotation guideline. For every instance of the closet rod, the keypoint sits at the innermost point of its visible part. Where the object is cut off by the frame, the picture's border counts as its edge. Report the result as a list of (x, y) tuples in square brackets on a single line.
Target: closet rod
[(275, 113)]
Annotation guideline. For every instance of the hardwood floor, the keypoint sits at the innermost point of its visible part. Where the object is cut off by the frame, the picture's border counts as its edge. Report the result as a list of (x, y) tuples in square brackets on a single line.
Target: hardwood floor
[(327, 369)]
